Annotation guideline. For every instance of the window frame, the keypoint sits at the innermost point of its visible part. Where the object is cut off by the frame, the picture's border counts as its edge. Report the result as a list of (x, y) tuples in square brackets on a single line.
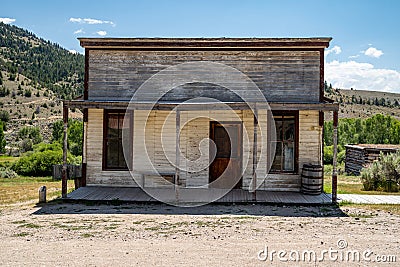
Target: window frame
[(106, 114), (282, 114)]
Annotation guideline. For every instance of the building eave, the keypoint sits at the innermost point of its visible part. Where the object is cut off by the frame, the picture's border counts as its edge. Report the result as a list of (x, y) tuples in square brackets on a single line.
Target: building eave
[(205, 43)]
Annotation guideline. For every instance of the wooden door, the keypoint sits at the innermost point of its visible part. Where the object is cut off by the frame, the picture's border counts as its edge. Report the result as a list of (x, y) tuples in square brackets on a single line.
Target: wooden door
[(226, 168)]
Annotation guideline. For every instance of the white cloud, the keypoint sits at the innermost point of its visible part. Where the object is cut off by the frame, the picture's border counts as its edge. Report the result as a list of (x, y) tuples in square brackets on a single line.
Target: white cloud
[(373, 52), (72, 51), (79, 31), (7, 20), (355, 56), (102, 33), (362, 76), (90, 21), (336, 50)]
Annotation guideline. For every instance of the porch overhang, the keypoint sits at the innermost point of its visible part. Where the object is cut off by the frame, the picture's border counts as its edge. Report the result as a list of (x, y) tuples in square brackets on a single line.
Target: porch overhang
[(324, 106)]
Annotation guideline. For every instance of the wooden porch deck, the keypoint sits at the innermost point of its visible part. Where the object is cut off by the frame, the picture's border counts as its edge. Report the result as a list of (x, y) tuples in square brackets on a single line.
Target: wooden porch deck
[(135, 194)]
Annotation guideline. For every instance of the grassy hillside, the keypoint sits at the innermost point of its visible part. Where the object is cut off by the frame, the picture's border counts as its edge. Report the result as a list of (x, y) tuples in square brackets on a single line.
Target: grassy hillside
[(364, 104)]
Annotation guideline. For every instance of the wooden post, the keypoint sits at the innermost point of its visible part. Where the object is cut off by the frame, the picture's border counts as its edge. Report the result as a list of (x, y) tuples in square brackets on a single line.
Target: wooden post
[(65, 148), (177, 153), (334, 171), (255, 129)]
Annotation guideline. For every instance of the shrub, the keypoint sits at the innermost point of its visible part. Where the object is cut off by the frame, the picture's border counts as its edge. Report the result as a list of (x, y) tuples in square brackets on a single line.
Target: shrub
[(4, 116), (328, 154), (28, 93), (40, 162), (382, 175), (7, 173)]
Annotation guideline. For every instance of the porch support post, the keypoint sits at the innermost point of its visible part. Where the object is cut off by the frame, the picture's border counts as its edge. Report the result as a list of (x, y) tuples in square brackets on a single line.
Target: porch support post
[(177, 153), (65, 148), (255, 128), (334, 171)]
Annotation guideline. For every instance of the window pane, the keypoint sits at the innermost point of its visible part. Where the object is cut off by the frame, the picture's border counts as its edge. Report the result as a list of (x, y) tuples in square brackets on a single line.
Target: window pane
[(288, 130), (288, 153), (112, 153), (277, 164), (284, 160), (278, 127), (113, 126), (121, 158)]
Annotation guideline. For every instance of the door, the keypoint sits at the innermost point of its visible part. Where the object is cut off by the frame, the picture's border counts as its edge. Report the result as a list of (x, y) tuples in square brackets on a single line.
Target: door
[(226, 168)]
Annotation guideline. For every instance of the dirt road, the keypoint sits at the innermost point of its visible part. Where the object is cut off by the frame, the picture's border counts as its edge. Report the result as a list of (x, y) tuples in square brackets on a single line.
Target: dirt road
[(66, 234)]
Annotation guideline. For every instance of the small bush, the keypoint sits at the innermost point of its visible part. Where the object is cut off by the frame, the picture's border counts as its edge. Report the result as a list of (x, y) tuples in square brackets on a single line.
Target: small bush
[(382, 175), (7, 173), (28, 93), (40, 162)]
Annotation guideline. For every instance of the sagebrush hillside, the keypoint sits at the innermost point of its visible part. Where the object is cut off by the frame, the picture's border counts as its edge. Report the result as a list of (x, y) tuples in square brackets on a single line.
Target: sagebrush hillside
[(364, 104), (35, 75)]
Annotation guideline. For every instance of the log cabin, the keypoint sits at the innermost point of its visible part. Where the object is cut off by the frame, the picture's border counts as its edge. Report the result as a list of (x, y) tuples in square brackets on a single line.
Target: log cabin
[(359, 156), (202, 113)]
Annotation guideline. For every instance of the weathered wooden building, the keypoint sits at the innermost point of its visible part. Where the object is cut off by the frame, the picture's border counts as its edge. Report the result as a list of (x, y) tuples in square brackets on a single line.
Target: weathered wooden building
[(361, 155), (132, 138)]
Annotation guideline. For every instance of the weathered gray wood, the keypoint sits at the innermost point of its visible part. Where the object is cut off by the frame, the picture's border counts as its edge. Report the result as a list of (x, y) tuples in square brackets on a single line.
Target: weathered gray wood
[(290, 76), (196, 106), (362, 155), (135, 194)]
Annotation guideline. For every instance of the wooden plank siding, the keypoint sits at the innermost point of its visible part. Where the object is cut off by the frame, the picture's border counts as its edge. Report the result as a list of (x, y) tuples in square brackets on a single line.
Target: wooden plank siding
[(283, 76), (195, 129)]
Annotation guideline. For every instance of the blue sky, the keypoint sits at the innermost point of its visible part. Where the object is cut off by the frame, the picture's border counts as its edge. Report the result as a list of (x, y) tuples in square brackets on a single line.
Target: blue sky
[(363, 54)]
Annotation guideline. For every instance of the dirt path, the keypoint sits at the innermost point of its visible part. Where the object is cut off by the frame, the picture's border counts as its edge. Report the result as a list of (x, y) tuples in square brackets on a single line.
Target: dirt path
[(160, 235)]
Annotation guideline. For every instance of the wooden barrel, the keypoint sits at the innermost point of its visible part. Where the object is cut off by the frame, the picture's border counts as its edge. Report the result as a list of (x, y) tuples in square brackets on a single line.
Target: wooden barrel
[(312, 179)]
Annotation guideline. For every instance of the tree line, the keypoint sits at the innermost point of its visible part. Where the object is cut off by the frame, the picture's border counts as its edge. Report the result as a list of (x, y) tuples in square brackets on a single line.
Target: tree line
[(378, 129), (45, 63)]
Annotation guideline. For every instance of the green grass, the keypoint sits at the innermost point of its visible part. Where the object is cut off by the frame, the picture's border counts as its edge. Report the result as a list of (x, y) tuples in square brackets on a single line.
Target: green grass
[(351, 185), (7, 159), (21, 189)]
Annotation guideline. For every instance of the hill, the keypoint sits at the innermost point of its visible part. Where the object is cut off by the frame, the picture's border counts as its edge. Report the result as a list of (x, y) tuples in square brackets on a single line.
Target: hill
[(46, 64), (35, 75), (364, 104)]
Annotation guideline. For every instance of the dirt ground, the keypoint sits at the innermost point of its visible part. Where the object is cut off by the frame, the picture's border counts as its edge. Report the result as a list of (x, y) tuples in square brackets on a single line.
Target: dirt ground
[(68, 234)]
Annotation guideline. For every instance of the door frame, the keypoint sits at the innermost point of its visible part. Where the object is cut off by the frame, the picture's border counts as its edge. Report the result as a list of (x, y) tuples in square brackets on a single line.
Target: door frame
[(239, 185)]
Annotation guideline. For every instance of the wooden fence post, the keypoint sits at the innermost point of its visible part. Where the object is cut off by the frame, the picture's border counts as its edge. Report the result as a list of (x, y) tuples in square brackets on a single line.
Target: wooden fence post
[(65, 148), (334, 171)]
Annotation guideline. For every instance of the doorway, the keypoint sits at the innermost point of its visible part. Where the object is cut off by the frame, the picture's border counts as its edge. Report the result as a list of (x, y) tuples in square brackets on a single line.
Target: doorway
[(226, 168)]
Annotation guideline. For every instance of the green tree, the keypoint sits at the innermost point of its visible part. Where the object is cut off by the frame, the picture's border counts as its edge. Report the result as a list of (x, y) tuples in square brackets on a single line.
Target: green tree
[(75, 135)]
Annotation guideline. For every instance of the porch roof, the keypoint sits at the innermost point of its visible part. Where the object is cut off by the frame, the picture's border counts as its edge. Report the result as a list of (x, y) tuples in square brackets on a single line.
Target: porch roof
[(324, 106)]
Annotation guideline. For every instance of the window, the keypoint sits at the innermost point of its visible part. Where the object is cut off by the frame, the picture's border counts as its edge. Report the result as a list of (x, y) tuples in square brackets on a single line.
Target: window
[(286, 124), (113, 154)]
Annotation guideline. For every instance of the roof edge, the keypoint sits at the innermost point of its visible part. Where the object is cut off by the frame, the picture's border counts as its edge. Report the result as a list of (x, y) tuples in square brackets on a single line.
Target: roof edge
[(316, 42)]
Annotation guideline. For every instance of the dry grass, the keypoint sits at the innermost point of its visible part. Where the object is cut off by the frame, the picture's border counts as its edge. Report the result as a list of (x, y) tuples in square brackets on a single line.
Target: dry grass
[(390, 208), (22, 189), (350, 185)]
